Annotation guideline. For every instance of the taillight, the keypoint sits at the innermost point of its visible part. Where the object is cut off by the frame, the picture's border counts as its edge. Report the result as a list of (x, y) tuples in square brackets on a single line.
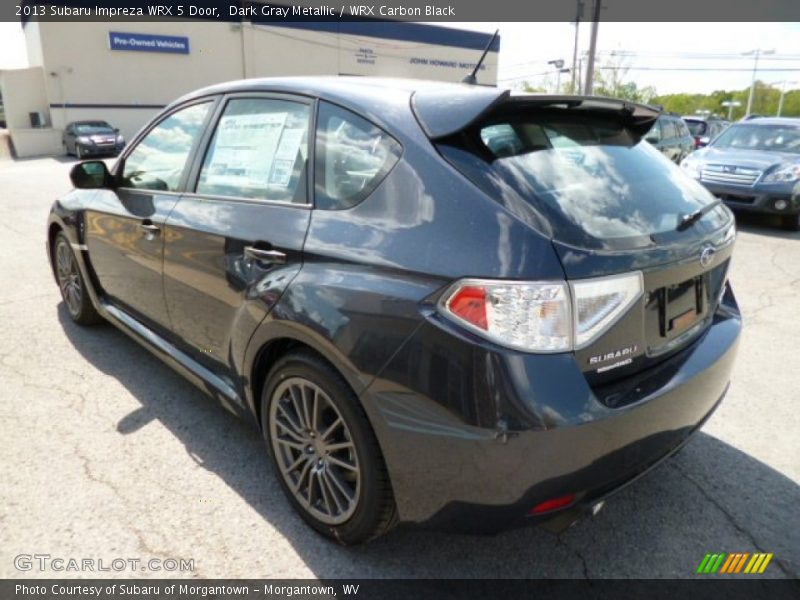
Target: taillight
[(469, 304), (600, 302), (541, 316), (528, 316)]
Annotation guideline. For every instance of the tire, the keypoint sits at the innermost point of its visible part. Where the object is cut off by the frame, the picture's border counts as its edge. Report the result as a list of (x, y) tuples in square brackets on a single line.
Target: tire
[(351, 504), (71, 283), (79, 151), (791, 222)]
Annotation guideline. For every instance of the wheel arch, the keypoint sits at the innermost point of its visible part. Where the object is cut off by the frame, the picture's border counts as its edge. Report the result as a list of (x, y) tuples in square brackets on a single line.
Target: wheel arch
[(53, 230), (265, 353)]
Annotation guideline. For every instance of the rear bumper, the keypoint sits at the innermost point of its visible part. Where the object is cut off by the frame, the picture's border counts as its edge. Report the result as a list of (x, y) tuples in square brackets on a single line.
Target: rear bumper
[(474, 440), (758, 198)]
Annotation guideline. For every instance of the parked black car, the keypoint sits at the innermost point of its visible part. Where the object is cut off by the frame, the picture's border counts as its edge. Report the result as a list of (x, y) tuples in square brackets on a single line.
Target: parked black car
[(442, 304), (672, 137), (754, 166), (705, 129), (92, 138)]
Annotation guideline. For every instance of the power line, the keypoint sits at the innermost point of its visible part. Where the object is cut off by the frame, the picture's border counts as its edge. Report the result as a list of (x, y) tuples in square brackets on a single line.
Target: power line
[(692, 55), (626, 68), (697, 56)]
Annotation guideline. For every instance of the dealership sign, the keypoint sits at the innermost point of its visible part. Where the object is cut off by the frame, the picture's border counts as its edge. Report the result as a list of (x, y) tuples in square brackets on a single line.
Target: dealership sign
[(145, 42)]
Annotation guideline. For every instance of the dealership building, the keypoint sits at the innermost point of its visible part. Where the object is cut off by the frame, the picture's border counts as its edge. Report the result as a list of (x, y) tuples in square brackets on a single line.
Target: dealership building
[(124, 72)]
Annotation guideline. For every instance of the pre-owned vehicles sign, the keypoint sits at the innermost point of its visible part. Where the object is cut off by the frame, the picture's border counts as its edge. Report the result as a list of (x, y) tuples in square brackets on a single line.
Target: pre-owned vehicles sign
[(145, 42)]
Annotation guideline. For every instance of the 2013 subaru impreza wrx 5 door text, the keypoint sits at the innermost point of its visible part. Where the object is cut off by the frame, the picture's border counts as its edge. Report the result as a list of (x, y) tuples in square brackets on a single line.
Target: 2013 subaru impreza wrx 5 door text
[(442, 304)]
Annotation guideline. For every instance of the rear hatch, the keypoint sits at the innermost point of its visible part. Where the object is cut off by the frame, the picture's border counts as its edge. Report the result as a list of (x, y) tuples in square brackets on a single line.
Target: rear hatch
[(576, 169)]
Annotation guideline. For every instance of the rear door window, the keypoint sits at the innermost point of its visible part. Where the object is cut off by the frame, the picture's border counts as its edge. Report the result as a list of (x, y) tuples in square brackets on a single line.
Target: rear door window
[(352, 157), (697, 128), (259, 151), (654, 135), (586, 175), (668, 130)]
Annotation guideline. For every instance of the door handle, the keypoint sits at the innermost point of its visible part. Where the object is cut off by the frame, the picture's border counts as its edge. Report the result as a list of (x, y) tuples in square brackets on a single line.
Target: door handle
[(150, 230), (275, 257)]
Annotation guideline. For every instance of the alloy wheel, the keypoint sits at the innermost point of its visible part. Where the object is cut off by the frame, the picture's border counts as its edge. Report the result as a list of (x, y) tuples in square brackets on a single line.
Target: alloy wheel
[(68, 277), (314, 450)]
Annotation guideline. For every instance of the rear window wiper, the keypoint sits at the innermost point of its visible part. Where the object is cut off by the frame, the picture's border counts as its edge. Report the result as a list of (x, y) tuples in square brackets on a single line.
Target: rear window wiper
[(691, 218)]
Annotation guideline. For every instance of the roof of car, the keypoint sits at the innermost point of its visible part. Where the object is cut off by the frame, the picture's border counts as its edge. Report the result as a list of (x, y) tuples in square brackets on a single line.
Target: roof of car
[(326, 85), (442, 108), (376, 96), (702, 118), (774, 121)]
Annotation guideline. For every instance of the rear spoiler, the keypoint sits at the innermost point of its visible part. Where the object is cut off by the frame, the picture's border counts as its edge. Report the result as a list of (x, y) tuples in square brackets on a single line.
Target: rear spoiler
[(442, 112)]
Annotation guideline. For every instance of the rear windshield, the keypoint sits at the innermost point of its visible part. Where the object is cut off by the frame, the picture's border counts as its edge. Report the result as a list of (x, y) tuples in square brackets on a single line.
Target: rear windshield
[(696, 127), (775, 138), (585, 175)]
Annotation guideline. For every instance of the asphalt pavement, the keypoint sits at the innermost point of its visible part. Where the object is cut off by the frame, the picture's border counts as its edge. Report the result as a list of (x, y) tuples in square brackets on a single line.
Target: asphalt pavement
[(107, 453)]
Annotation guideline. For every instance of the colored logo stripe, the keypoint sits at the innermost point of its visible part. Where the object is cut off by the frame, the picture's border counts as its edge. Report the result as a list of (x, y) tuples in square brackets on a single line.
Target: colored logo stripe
[(758, 563), (734, 563), (710, 563)]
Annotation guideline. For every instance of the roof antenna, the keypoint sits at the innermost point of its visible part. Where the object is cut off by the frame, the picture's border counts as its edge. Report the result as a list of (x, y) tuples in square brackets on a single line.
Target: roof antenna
[(472, 78)]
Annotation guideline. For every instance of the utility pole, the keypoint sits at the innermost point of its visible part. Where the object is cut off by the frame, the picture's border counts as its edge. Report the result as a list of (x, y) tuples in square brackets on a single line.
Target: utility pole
[(578, 15), (756, 54), (592, 48)]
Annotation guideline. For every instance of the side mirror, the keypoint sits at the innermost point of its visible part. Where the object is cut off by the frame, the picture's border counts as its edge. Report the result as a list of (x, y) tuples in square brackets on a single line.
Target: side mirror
[(116, 129), (92, 174), (652, 138), (703, 142)]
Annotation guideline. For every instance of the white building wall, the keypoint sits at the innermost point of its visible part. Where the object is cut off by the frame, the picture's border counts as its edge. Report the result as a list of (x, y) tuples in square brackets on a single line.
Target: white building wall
[(24, 93)]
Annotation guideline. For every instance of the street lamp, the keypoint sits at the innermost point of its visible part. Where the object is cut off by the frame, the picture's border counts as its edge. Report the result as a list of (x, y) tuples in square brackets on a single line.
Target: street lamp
[(730, 104), (758, 52), (783, 93)]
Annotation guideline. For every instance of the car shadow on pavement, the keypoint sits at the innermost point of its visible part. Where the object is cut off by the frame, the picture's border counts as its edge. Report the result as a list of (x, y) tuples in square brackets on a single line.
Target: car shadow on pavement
[(710, 497), (61, 158), (764, 224)]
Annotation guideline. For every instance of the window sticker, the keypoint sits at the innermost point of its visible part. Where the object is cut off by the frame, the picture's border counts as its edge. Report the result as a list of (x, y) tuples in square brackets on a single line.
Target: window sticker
[(242, 148)]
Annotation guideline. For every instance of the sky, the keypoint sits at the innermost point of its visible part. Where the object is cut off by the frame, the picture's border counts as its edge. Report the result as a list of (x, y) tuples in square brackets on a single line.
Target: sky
[(672, 57)]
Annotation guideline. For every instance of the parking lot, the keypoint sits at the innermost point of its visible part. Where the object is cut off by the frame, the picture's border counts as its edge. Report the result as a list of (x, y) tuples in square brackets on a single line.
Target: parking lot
[(108, 453)]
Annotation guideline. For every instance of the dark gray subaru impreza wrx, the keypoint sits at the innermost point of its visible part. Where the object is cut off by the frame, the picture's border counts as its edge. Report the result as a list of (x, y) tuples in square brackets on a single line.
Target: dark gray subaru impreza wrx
[(442, 304)]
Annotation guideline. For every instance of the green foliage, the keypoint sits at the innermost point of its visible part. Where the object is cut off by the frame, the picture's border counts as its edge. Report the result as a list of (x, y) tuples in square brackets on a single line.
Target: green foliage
[(527, 87), (765, 102), (610, 80)]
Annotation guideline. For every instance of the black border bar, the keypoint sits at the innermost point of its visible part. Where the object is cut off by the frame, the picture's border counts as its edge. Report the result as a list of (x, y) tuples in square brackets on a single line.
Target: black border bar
[(401, 10), (708, 588)]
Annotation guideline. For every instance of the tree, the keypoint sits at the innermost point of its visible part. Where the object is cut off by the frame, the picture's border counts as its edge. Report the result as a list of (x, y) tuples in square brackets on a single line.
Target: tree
[(765, 102), (611, 79), (527, 87)]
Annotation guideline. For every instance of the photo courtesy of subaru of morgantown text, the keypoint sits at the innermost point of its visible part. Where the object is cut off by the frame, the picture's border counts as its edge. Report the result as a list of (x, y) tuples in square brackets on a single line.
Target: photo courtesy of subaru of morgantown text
[(442, 304)]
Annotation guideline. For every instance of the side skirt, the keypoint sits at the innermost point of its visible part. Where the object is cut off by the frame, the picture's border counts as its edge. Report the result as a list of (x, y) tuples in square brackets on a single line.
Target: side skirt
[(213, 385)]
